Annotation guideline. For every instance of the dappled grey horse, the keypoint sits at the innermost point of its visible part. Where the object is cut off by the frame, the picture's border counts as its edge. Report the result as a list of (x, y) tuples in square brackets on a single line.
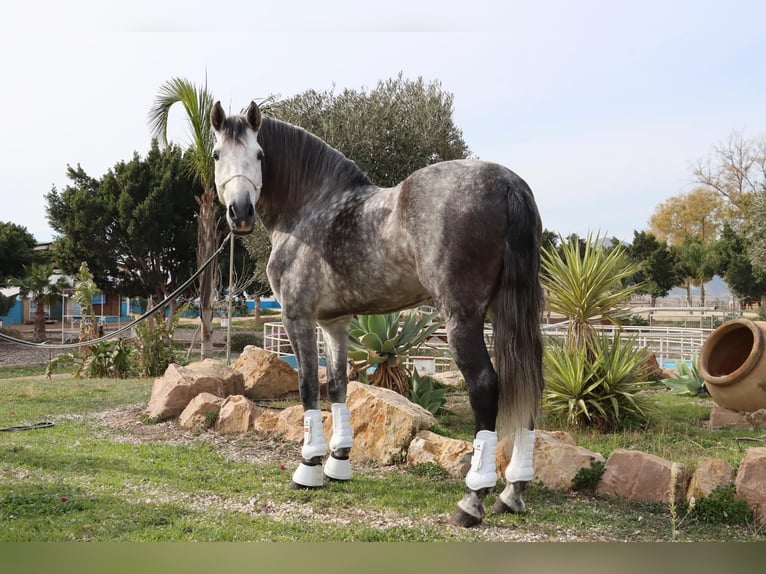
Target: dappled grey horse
[(464, 234)]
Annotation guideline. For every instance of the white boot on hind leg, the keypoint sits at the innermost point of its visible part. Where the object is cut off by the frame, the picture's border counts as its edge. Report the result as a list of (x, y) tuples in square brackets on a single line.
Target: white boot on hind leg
[(309, 472), (338, 466), (519, 472), (483, 473)]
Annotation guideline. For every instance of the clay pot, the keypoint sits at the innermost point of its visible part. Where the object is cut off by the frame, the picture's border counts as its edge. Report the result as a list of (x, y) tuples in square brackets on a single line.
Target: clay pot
[(733, 364)]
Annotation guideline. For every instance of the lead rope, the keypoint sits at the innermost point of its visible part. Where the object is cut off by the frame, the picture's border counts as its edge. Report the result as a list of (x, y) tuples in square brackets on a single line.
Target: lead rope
[(130, 325), (231, 297)]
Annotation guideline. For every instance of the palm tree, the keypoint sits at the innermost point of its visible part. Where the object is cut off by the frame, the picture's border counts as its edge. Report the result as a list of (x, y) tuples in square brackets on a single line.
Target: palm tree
[(37, 284), (197, 103), (695, 266)]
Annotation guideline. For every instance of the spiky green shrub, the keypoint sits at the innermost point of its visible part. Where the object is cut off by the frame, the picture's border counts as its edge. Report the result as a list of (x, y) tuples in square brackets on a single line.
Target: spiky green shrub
[(687, 380), (384, 341), (600, 389), (425, 392)]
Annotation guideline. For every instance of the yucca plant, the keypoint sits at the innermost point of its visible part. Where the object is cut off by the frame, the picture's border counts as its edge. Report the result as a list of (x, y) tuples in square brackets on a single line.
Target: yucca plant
[(384, 341), (584, 283), (600, 392)]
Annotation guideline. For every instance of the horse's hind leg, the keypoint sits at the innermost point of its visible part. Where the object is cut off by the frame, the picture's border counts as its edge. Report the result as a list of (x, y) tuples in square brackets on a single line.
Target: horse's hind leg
[(338, 466), (466, 338), (518, 474)]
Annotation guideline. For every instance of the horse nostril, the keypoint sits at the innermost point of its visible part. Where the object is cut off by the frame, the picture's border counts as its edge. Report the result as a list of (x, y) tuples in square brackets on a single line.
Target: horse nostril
[(250, 211), (232, 213)]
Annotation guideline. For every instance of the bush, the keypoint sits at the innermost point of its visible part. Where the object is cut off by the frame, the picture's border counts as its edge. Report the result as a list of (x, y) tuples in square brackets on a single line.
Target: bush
[(241, 340), (597, 386), (722, 507)]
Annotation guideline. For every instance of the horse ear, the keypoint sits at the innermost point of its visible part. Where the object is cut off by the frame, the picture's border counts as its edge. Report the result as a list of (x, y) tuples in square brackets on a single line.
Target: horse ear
[(253, 115), (218, 116)]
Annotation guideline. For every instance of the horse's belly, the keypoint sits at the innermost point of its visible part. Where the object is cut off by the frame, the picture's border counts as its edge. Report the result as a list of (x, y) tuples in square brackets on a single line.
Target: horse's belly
[(371, 297)]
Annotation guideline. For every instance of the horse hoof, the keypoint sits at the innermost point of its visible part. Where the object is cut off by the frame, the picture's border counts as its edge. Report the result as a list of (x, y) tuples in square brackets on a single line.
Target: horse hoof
[(338, 469), (461, 518), (516, 507)]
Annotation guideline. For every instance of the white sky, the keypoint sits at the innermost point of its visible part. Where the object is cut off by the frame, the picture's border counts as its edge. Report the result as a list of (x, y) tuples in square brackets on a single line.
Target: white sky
[(600, 105)]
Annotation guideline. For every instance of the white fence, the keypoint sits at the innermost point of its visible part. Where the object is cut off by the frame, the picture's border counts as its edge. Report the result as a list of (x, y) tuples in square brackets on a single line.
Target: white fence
[(668, 344)]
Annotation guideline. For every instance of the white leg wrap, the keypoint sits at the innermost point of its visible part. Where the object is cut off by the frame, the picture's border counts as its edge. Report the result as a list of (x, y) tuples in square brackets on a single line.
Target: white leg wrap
[(342, 435), (483, 473), (521, 468), (313, 435)]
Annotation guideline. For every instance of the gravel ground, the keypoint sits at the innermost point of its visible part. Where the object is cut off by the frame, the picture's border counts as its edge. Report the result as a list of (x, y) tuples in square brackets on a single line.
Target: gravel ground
[(13, 354)]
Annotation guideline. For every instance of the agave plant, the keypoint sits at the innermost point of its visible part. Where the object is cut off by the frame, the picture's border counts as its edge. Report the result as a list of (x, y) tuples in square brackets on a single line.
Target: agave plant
[(426, 394), (687, 380), (601, 392), (383, 342)]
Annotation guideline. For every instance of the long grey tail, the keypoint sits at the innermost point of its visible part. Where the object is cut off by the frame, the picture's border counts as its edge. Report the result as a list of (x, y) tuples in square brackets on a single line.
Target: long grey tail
[(518, 311)]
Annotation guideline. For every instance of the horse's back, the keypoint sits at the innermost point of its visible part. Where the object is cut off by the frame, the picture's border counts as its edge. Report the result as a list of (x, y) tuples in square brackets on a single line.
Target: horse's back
[(456, 214)]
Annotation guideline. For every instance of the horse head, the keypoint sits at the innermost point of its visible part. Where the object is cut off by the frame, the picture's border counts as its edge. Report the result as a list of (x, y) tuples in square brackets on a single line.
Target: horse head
[(238, 165)]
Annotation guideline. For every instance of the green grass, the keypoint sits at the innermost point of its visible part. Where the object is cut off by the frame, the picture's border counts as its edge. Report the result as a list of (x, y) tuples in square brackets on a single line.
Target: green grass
[(84, 480)]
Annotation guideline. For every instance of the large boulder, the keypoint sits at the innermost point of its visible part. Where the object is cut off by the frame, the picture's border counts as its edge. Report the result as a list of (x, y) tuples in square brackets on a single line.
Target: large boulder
[(199, 413), (266, 375), (751, 481), (175, 389), (232, 380), (557, 458), (453, 455), (711, 473), (237, 415), (644, 477), (384, 423)]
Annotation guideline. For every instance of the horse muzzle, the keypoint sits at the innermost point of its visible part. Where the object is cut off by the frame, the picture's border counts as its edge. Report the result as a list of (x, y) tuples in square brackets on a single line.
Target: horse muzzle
[(240, 216)]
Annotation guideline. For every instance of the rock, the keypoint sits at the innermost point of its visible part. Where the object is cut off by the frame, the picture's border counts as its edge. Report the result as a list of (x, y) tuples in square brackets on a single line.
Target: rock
[(233, 381), (651, 370), (384, 423), (751, 481), (725, 418), (711, 473), (557, 458), (290, 424), (173, 391), (757, 419), (636, 475), (197, 413), (237, 415), (266, 422), (448, 453), (453, 379), (266, 375)]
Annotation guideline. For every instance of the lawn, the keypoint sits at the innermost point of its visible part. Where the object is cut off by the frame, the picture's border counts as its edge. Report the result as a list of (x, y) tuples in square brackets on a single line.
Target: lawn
[(101, 473)]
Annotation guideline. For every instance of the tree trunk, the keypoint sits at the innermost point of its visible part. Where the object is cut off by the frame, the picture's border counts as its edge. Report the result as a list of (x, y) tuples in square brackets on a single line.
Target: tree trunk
[(206, 240), (688, 293), (40, 335), (702, 293)]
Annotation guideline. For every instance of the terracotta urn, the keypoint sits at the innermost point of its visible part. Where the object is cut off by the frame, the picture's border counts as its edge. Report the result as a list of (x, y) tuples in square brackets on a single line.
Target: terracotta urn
[(733, 365)]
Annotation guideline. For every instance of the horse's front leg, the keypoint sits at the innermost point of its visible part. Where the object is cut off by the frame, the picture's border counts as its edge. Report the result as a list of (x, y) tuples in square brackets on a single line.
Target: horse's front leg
[(338, 466), (302, 334)]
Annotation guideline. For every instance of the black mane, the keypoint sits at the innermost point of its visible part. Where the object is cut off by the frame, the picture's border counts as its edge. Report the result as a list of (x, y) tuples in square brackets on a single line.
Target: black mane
[(298, 164)]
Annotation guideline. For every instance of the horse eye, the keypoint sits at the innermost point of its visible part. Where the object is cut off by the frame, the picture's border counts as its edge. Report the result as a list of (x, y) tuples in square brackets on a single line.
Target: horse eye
[(259, 155), (216, 155)]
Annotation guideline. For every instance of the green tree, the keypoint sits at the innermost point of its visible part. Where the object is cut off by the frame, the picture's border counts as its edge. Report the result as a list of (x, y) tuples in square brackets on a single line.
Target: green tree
[(38, 284), (16, 251), (134, 227), (197, 103), (390, 131), (731, 260), (657, 271)]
